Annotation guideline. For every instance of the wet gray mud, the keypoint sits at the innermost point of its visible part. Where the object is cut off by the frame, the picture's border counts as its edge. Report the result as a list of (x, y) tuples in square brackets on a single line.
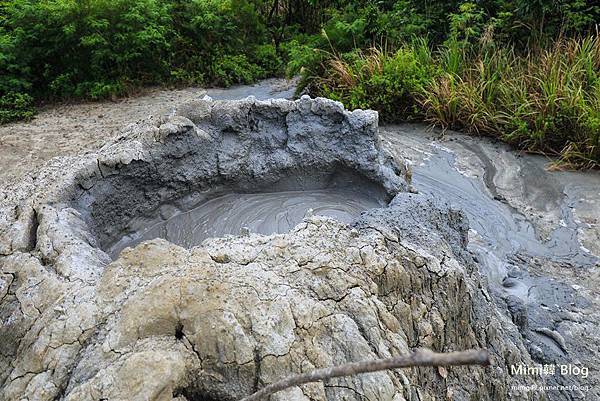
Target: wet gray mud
[(267, 89), (462, 170), (274, 210), (497, 227), (533, 232)]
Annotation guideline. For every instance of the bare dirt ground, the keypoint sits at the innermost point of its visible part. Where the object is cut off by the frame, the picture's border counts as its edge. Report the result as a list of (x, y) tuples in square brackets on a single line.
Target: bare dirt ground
[(62, 130), (73, 128)]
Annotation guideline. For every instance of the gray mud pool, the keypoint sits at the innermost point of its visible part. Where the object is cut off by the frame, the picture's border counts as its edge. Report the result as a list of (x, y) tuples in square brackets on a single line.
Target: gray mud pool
[(263, 213)]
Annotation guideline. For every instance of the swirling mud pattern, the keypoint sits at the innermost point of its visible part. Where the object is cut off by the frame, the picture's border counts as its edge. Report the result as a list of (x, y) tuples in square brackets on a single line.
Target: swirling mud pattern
[(263, 213)]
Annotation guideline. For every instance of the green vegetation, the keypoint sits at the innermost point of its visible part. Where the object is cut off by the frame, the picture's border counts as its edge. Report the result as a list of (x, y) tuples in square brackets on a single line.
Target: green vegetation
[(546, 100), (15, 106), (524, 71), (60, 49)]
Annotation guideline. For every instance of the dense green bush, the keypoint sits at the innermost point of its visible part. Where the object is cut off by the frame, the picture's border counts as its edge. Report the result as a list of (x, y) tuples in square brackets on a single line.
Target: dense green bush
[(268, 59), (206, 31), (388, 82), (229, 70), (64, 49), (87, 48), (15, 106)]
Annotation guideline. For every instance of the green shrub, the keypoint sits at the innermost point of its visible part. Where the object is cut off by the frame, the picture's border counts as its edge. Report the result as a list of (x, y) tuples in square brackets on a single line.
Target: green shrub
[(86, 48), (231, 70), (303, 53), (58, 49), (268, 59), (16, 106), (207, 33), (388, 83)]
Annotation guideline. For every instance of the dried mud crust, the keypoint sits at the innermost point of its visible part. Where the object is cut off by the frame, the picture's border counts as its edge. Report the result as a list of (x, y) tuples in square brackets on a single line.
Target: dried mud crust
[(222, 319)]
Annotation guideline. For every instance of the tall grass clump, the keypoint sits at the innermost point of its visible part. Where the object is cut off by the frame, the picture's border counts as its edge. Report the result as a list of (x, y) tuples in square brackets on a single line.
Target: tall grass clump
[(545, 100)]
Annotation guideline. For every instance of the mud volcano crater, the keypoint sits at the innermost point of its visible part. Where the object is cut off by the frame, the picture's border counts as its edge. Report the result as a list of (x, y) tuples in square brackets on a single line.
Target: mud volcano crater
[(91, 313), (224, 167)]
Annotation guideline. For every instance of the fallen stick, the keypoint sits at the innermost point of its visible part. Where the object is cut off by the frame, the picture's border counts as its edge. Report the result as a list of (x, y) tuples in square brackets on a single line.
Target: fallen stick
[(421, 357)]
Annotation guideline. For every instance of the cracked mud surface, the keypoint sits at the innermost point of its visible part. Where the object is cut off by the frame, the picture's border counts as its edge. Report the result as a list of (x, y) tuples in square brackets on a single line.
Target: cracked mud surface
[(221, 319)]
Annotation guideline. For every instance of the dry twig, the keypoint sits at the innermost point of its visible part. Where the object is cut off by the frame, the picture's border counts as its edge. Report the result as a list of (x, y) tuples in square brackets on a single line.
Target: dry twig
[(420, 357)]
